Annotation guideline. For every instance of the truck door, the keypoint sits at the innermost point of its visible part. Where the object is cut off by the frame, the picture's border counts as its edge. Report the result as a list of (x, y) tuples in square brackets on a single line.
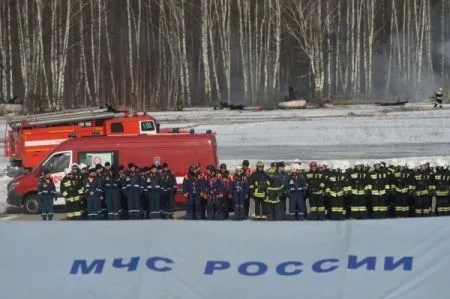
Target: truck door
[(56, 164)]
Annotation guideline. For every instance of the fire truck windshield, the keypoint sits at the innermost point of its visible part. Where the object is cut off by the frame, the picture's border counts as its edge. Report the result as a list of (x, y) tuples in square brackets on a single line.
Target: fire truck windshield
[(58, 162)]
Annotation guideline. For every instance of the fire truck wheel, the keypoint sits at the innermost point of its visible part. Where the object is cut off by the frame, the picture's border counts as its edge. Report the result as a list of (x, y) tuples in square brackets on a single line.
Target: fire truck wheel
[(32, 204)]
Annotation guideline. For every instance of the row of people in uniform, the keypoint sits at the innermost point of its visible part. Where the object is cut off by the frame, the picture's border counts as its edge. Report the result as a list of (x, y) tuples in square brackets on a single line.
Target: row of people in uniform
[(108, 193), (363, 192), (278, 193), (208, 195), (341, 192)]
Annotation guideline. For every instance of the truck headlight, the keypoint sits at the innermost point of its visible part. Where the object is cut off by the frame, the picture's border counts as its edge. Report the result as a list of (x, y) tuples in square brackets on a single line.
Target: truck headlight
[(12, 186)]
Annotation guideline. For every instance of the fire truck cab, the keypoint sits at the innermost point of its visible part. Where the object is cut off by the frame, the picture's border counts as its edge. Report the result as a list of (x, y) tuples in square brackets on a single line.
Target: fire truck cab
[(30, 138)]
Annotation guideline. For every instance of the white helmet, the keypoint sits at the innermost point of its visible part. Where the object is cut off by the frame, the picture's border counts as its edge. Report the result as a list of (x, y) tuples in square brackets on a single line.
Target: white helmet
[(67, 171), (82, 165), (297, 161), (74, 165), (296, 167), (358, 163), (413, 164), (238, 168), (287, 168)]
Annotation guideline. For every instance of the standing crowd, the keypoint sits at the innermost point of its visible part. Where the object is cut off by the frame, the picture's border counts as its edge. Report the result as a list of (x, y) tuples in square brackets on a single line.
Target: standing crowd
[(103, 192), (280, 192), (283, 192)]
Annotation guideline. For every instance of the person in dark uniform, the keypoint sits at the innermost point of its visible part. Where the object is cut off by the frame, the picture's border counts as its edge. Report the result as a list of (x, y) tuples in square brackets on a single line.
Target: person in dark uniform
[(438, 98), (46, 192), (168, 191), (69, 189), (239, 190), (192, 189), (92, 195), (259, 181), (132, 190), (111, 187), (247, 171), (298, 189), (152, 191)]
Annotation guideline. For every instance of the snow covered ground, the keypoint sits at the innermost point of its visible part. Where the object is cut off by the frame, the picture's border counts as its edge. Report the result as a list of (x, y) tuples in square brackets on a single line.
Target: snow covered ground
[(359, 132)]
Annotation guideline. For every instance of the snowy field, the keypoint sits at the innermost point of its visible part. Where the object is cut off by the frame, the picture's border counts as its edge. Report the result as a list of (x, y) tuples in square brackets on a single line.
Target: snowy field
[(359, 132)]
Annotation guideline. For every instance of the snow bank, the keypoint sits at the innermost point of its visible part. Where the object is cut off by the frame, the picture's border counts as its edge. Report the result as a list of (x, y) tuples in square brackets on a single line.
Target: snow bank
[(3, 192)]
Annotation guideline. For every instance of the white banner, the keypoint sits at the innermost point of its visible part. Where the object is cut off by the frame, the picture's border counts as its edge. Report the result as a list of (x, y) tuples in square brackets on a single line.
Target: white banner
[(401, 258)]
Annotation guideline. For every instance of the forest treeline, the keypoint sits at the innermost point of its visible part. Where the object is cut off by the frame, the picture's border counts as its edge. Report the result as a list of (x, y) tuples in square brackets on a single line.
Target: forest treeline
[(160, 54)]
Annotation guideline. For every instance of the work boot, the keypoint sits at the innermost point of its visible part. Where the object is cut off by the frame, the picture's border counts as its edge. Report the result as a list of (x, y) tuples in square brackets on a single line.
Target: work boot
[(50, 217), (44, 217)]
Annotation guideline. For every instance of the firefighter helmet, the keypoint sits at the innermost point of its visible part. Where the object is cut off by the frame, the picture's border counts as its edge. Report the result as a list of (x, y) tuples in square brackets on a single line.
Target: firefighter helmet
[(223, 166), (296, 167), (313, 164), (271, 171), (67, 171), (82, 166), (260, 164), (288, 168), (238, 168)]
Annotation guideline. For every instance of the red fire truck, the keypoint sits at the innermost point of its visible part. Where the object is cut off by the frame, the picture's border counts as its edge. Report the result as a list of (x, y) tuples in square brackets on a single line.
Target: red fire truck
[(179, 150), (28, 139)]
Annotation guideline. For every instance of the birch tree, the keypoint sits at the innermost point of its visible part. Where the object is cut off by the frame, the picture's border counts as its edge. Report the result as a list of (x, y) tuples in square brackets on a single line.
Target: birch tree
[(307, 25), (4, 95)]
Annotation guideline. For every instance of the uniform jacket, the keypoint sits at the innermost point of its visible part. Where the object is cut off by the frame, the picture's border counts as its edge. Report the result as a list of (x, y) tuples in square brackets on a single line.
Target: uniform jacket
[(168, 182), (259, 182), (240, 184), (151, 182), (192, 185), (274, 191), (213, 187), (92, 187), (46, 188), (111, 180), (70, 188), (297, 184), (132, 182)]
